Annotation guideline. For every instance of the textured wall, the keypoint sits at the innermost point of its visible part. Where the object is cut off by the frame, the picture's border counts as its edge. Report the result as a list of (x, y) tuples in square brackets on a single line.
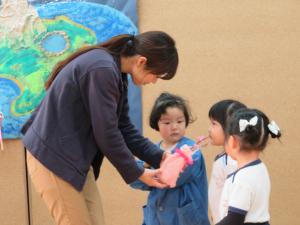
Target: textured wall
[(247, 50), (13, 196)]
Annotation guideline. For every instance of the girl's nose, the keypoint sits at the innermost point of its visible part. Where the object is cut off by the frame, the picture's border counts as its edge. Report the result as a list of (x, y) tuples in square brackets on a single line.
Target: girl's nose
[(174, 125)]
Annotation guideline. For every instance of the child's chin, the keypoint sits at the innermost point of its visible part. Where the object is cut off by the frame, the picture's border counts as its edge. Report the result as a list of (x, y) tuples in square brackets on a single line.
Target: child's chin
[(215, 143)]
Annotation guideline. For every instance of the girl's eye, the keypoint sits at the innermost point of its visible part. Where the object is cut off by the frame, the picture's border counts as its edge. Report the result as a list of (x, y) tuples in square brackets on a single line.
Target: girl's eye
[(180, 121)]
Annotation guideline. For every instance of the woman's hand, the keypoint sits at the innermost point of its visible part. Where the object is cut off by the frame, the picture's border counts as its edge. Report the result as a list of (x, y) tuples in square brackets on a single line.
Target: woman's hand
[(150, 177)]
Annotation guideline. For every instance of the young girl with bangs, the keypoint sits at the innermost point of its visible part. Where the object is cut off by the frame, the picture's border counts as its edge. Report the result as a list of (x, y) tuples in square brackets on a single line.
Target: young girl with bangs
[(223, 164)]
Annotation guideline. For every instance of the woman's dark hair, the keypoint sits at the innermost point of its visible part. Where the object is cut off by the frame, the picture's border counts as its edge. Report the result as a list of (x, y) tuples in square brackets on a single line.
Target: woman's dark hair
[(222, 110), (164, 101), (157, 46), (251, 136)]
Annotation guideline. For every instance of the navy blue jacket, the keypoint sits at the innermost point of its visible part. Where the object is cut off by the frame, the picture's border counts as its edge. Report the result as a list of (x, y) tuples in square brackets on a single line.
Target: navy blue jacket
[(84, 117), (185, 204)]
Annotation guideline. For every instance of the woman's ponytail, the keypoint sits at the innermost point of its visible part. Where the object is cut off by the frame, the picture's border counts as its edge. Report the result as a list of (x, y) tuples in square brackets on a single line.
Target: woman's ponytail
[(157, 46), (115, 46)]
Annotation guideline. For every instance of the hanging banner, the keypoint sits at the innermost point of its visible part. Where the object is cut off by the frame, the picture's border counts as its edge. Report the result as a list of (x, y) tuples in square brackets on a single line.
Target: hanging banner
[(35, 35)]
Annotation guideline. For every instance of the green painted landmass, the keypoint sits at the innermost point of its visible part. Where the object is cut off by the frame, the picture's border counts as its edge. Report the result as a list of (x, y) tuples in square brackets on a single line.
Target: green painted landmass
[(31, 65)]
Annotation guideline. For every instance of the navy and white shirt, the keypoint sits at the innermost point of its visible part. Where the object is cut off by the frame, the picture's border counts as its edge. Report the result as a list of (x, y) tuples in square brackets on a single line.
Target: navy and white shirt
[(247, 192), (222, 167)]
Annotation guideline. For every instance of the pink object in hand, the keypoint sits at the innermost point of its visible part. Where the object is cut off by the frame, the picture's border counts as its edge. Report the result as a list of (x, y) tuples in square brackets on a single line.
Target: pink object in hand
[(175, 164)]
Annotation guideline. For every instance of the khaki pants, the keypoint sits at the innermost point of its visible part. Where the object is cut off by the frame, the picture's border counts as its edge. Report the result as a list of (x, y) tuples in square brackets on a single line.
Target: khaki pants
[(66, 205)]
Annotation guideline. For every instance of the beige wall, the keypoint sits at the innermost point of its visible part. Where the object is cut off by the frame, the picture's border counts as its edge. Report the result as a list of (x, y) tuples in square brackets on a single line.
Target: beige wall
[(13, 197), (247, 50)]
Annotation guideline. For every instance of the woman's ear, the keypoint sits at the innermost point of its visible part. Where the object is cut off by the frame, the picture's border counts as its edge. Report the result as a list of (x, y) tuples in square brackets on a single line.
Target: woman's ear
[(141, 61)]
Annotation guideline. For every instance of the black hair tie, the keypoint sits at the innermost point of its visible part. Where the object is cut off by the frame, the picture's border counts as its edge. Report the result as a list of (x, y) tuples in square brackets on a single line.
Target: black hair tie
[(131, 37), (130, 42), (129, 47)]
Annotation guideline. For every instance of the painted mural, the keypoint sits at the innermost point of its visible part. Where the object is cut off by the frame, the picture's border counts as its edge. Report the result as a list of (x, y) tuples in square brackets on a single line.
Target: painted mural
[(35, 35)]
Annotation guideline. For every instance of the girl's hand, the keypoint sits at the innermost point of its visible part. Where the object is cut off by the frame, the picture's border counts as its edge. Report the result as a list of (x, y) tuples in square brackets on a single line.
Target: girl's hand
[(150, 177)]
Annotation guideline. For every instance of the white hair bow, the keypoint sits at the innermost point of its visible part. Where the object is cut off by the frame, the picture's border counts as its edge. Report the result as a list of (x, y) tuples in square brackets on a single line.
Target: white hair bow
[(273, 127), (244, 123)]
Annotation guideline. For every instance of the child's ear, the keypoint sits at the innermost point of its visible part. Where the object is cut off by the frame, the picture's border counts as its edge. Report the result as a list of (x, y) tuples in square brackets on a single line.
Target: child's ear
[(235, 144), (232, 146)]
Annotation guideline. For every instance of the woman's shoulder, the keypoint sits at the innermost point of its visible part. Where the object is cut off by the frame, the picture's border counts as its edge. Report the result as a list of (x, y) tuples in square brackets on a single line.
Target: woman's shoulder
[(97, 58)]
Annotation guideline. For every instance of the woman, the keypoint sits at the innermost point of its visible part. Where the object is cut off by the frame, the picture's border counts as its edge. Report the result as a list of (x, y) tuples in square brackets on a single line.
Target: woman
[(84, 117)]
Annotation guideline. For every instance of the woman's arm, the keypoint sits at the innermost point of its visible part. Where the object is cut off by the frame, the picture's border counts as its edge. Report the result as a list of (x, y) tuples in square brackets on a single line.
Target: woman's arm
[(140, 146), (100, 94), (138, 184)]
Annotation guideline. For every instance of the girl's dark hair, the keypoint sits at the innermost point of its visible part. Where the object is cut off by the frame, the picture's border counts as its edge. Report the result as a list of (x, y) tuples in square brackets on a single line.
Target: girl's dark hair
[(253, 136), (157, 46), (164, 101), (222, 110)]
